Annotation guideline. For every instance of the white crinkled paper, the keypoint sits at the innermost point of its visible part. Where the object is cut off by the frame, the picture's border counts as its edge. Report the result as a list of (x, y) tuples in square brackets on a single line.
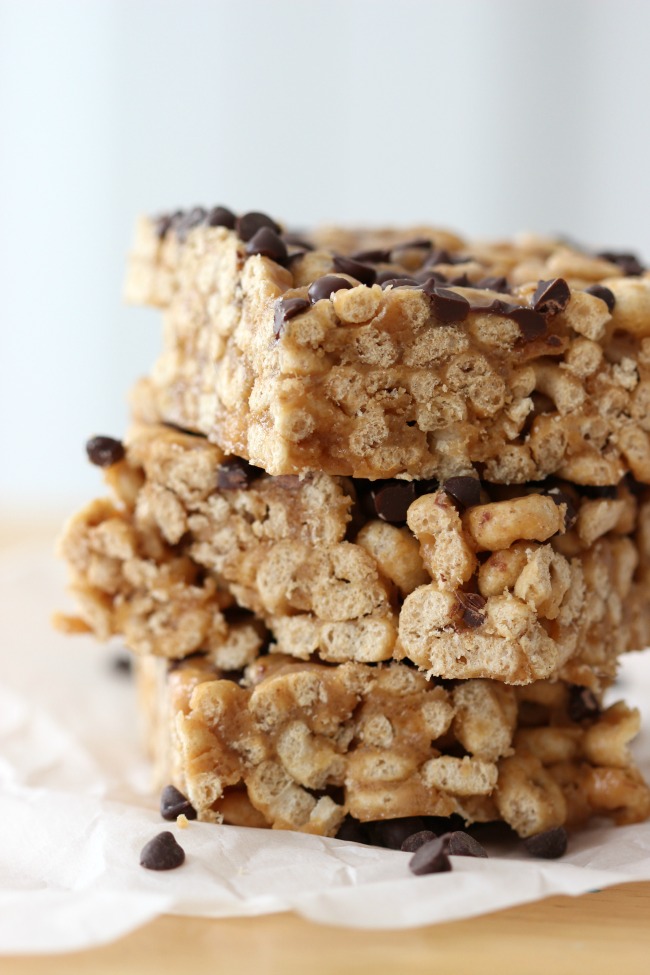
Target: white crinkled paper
[(75, 811)]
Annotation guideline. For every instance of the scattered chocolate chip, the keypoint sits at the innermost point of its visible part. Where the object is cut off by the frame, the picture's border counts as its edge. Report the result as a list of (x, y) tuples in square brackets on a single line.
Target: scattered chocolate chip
[(352, 830), (221, 217), (356, 269), (426, 274), (551, 296), (499, 284), (266, 243), (236, 474), (104, 451), (250, 223), (383, 276), (285, 309), (391, 500), (472, 604), (173, 804), (629, 264), (121, 663), (462, 281), (402, 282), (461, 844), (600, 291), (438, 256), (571, 514), (162, 853), (416, 840), (531, 324), (465, 490), (431, 857), (608, 491), (583, 703), (296, 240), (326, 286), (548, 845), (193, 218), (162, 224), (418, 243), (391, 833), (376, 256), (447, 305)]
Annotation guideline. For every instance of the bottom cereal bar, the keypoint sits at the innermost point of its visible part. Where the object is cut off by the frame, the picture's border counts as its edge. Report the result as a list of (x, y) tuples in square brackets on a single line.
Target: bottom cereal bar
[(300, 745)]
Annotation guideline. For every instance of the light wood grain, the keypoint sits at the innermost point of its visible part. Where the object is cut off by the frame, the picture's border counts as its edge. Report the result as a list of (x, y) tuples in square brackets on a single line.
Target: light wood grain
[(606, 933)]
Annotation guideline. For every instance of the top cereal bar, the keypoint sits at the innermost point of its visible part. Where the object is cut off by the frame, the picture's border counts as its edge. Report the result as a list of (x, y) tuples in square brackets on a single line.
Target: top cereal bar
[(386, 354)]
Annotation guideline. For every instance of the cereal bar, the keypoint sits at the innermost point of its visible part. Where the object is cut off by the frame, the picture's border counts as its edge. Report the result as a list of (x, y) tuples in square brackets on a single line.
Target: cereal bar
[(298, 745), (465, 579), (417, 355)]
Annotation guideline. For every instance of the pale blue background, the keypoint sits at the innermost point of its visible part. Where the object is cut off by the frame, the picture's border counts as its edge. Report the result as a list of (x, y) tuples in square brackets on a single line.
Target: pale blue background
[(485, 115)]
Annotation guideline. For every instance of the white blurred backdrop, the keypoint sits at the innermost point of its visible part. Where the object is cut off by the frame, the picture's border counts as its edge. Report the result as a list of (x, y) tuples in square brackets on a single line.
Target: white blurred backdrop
[(488, 116)]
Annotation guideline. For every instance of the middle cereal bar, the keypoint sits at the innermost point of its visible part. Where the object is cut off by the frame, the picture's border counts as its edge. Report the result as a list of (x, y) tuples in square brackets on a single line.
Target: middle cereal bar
[(464, 580)]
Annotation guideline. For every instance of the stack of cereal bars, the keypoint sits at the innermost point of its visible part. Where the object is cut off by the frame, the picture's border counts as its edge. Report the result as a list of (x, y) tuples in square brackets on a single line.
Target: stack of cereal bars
[(380, 531)]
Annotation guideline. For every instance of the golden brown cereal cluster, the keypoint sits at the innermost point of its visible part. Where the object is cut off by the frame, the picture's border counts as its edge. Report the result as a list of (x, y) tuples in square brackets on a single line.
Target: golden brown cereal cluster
[(297, 745)]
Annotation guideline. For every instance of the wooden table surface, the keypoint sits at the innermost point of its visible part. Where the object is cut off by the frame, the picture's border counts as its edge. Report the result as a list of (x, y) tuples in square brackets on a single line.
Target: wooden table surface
[(604, 933)]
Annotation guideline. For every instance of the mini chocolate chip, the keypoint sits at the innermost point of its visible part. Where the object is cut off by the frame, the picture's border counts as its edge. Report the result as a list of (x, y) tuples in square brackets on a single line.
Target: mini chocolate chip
[(462, 281), (571, 514), (438, 256), (285, 309), (391, 501), (162, 224), (461, 844), (121, 663), (193, 218), (403, 282), (600, 291), (104, 451), (418, 243), (236, 474), (266, 243), (356, 269), (326, 286), (173, 804), (383, 276), (376, 256), (608, 491), (296, 240), (447, 305), (629, 264), (472, 604), (353, 831), (531, 324), (221, 217), (431, 857), (499, 284), (549, 845), (465, 490), (583, 703), (162, 853), (250, 223), (391, 833), (426, 274), (551, 296), (416, 840)]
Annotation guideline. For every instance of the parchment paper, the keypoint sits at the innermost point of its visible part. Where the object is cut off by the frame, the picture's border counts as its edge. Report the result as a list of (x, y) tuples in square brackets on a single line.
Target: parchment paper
[(76, 809)]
